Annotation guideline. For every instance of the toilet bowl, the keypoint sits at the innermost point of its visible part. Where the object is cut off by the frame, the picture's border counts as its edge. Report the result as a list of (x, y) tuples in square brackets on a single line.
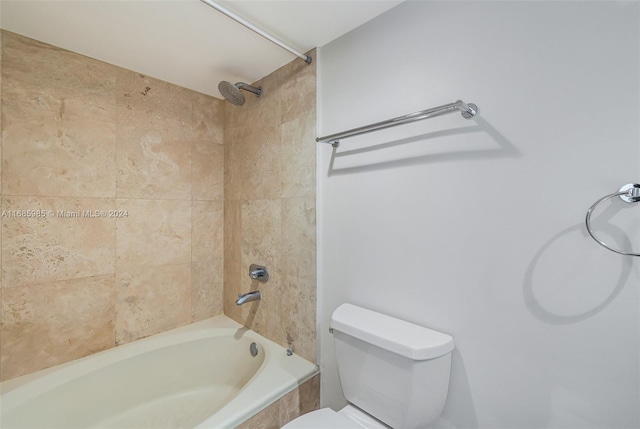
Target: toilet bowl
[(394, 374)]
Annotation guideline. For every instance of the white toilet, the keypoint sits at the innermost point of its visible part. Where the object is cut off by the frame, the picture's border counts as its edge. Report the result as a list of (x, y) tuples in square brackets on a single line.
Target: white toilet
[(393, 373)]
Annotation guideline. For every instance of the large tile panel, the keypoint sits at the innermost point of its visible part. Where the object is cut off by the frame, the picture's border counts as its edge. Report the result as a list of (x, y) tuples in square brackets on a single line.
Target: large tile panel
[(154, 232), (298, 95), (232, 257), (45, 153), (299, 315), (150, 300), (298, 156), (233, 174), (298, 243), (207, 230), (153, 160), (208, 118), (261, 236), (141, 98), (206, 289), (260, 165), (48, 324), (154, 135), (46, 77), (207, 171), (65, 244)]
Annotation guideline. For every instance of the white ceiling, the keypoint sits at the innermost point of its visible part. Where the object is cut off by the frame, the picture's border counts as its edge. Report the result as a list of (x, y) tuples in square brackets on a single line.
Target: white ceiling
[(186, 42)]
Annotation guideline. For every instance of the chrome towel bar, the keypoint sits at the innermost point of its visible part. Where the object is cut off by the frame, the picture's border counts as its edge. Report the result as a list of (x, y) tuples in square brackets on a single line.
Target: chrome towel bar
[(629, 193), (468, 111)]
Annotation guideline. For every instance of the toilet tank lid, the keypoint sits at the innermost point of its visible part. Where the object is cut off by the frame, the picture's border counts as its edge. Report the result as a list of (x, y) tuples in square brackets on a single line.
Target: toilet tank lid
[(395, 335)]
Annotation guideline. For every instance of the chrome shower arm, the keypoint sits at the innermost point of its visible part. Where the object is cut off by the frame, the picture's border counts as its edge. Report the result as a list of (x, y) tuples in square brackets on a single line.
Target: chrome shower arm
[(245, 86)]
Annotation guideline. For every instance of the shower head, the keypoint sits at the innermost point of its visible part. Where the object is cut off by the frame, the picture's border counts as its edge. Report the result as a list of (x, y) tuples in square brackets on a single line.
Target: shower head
[(232, 92)]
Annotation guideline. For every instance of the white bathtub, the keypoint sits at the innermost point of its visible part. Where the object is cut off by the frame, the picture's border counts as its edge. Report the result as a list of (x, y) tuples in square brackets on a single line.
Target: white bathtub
[(201, 375)]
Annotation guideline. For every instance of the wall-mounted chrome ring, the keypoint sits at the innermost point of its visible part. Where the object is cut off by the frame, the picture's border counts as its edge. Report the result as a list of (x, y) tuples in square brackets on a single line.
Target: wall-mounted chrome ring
[(629, 193)]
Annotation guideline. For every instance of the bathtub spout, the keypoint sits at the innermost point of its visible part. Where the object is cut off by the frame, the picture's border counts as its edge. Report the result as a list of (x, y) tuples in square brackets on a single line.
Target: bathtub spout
[(248, 297)]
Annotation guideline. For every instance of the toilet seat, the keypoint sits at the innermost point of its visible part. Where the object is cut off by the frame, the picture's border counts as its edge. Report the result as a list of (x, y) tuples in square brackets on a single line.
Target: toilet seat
[(324, 418), (349, 417)]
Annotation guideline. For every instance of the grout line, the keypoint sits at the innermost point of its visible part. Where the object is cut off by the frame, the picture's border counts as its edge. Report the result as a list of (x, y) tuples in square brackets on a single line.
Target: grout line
[(1, 186), (102, 198), (115, 230), (61, 280), (191, 203)]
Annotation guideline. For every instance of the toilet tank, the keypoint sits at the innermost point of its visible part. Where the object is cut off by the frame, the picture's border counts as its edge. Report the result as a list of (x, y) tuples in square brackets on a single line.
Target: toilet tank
[(394, 370)]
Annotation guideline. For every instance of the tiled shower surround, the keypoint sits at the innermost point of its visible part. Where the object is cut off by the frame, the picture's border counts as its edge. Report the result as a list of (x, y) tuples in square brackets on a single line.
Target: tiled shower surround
[(270, 200), (147, 204), (82, 139)]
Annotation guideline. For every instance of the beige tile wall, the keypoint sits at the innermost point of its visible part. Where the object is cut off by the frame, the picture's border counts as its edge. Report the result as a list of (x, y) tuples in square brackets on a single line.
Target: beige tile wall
[(79, 135), (270, 211)]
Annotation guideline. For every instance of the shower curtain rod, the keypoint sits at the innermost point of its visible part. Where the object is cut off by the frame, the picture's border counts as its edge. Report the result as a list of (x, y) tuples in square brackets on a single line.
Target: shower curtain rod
[(468, 111), (255, 29)]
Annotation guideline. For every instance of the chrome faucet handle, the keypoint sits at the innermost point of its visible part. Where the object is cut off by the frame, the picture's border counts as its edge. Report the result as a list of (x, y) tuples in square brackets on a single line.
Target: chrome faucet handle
[(258, 272)]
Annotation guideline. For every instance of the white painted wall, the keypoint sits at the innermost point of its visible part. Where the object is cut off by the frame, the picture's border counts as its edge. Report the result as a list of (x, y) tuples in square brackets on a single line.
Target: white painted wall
[(475, 227)]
